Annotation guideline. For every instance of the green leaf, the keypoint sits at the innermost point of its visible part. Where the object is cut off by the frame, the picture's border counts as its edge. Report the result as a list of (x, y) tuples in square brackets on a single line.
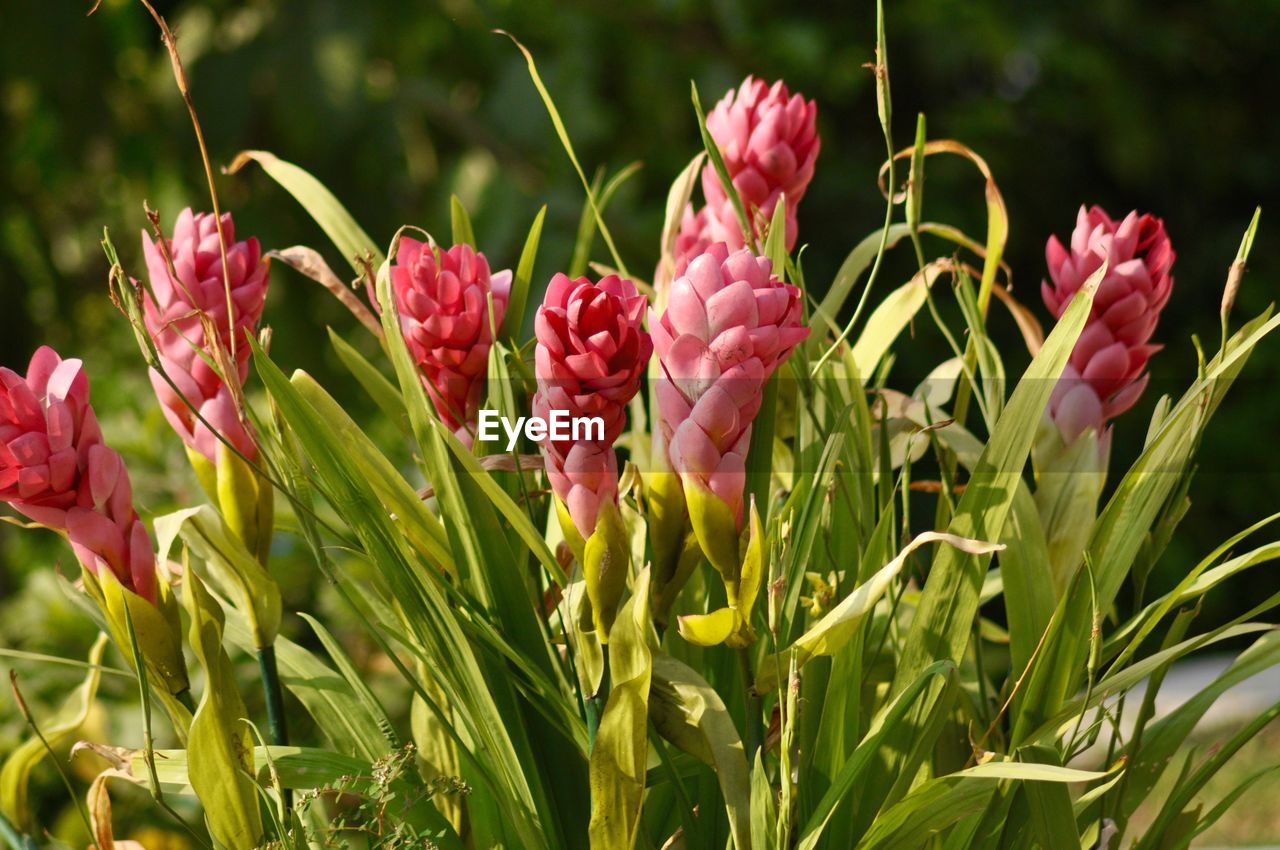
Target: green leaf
[(419, 525), (942, 624), (320, 203), (342, 717), (513, 322), (722, 172), (369, 703), (689, 713), (678, 197), (57, 730), (232, 568), (462, 231), (892, 316), (382, 391), (621, 753), (835, 629), (563, 134), (587, 223), (853, 267), (937, 803), (864, 755), (219, 746)]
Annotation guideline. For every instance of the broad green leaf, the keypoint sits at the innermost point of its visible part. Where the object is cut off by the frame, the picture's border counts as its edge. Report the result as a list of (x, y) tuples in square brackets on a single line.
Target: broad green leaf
[(620, 757), (235, 571), (892, 316), (938, 803), (835, 629), (320, 203), (58, 729), (690, 714), (1162, 739), (220, 746), (370, 704)]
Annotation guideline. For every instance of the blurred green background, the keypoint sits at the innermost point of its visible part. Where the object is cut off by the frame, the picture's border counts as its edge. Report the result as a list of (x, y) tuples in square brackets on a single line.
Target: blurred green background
[(1162, 106)]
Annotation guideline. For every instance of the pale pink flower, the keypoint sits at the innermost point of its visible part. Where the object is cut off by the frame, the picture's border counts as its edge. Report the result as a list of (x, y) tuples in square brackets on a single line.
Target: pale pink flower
[(443, 301), (590, 356), (768, 139), (1105, 375), (172, 310), (55, 469), (729, 323)]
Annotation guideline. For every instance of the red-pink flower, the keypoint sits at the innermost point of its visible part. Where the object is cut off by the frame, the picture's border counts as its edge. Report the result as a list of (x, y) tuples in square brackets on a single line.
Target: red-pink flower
[(55, 469), (729, 322), (768, 139), (590, 355), (443, 301), (172, 310), (1106, 375)]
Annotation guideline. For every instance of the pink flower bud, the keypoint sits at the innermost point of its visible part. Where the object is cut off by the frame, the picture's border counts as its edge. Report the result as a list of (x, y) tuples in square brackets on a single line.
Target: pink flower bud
[(443, 301), (1105, 375), (729, 323), (55, 469), (172, 311), (590, 355)]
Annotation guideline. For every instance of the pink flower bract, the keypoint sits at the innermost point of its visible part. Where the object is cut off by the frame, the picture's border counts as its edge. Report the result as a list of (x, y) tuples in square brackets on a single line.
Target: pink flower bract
[(172, 310), (55, 469), (1105, 375), (443, 301), (729, 323), (590, 356)]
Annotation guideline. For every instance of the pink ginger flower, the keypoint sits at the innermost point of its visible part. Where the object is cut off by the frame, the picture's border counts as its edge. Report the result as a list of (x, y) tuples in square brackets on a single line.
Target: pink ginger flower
[(768, 139), (443, 301), (1105, 375), (590, 356), (56, 470), (729, 323), (172, 310)]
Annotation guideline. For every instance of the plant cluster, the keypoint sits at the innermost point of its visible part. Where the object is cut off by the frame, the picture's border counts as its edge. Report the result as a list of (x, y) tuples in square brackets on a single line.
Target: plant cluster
[(779, 600)]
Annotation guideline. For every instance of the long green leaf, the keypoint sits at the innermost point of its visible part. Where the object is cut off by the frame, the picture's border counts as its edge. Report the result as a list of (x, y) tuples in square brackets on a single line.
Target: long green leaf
[(319, 202)]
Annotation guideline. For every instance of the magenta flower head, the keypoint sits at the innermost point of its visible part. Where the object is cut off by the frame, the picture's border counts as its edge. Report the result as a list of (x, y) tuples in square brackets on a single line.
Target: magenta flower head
[(768, 138), (55, 469), (443, 301), (1105, 375), (173, 306), (729, 323), (590, 356)]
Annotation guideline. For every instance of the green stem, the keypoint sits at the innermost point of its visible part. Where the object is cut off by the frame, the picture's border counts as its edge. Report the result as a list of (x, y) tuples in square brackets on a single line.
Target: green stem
[(275, 704), (13, 838), (274, 696), (755, 727), (184, 697), (596, 704)]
